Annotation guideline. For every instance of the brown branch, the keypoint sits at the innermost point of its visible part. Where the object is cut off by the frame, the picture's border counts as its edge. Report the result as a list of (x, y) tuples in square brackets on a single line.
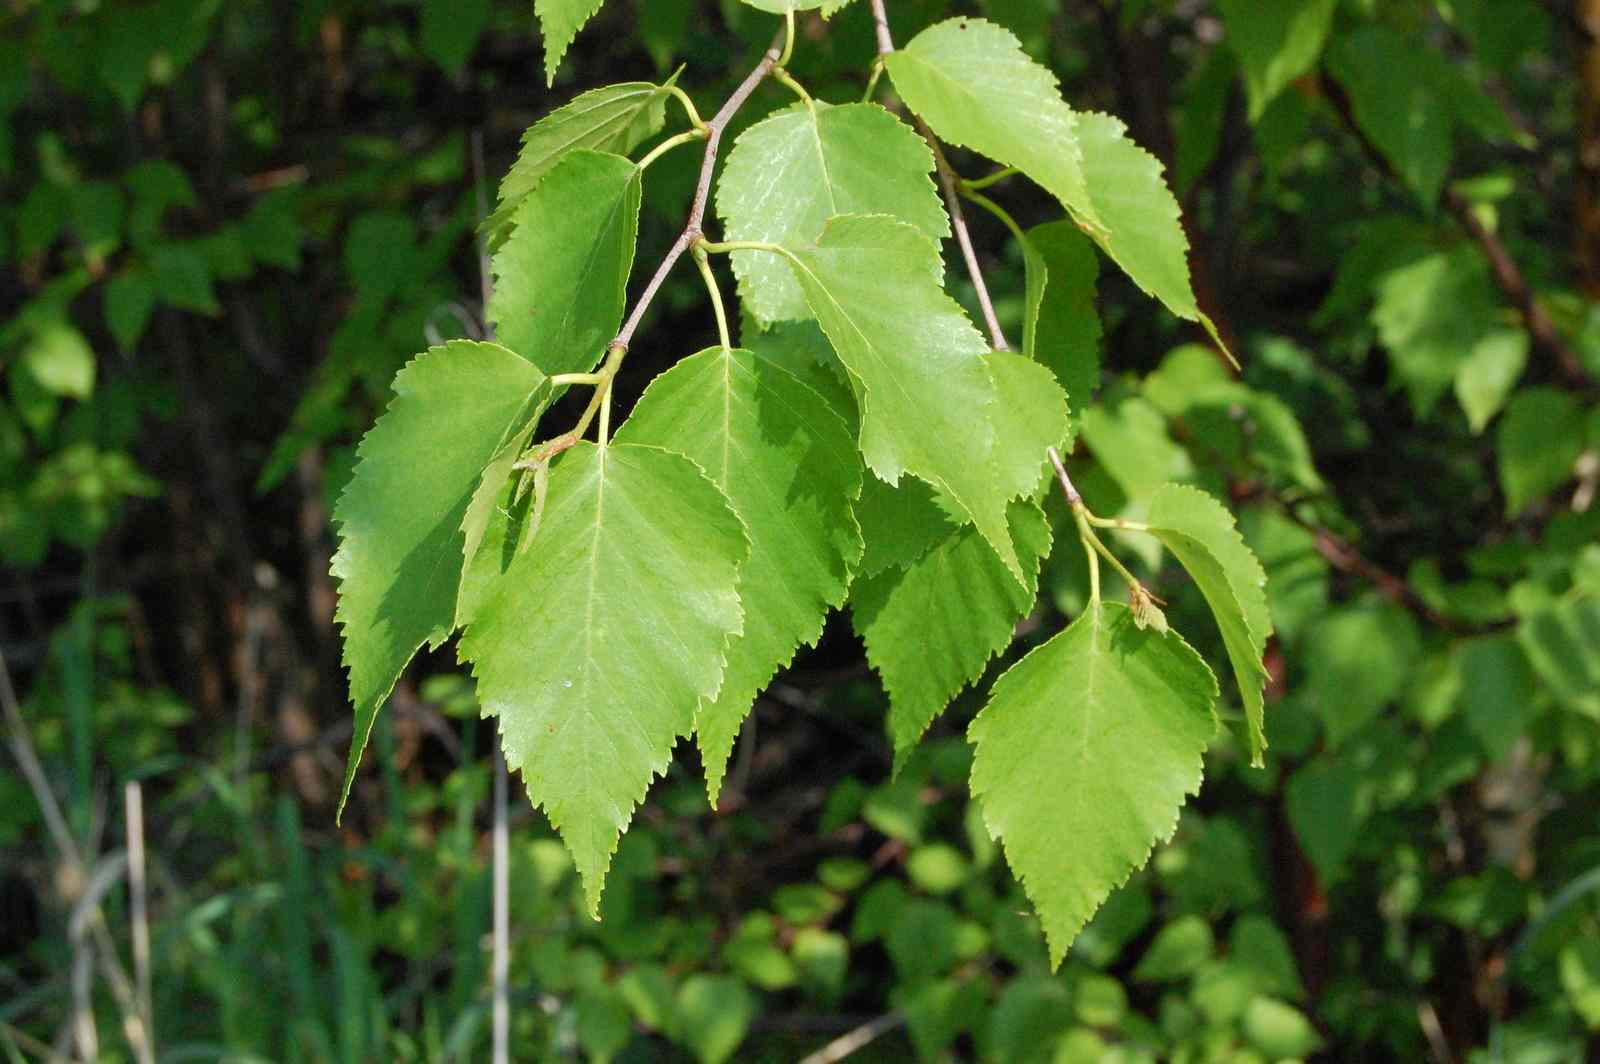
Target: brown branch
[(1509, 277), (1345, 557), (1507, 274), (952, 200), (693, 228)]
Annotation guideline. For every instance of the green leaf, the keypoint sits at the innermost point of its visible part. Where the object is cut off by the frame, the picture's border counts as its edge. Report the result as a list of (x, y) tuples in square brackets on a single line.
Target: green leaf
[(1139, 216), (130, 298), (1430, 314), (930, 629), (60, 359), (1199, 531), (1323, 807), (1491, 371), (1393, 97), (1356, 661), (1085, 753), (616, 119), (1060, 326), (1560, 640), (450, 30), (789, 173), (714, 1013), (1276, 41), (602, 636), (899, 524), (975, 87), (788, 465), (929, 399), (400, 540), (1497, 691), (1539, 441), (1129, 438), (780, 7), (561, 277), (560, 21), (1280, 1031), (1178, 950)]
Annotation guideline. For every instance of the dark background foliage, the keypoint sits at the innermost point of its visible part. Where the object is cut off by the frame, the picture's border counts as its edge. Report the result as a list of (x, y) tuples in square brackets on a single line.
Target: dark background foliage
[(226, 225)]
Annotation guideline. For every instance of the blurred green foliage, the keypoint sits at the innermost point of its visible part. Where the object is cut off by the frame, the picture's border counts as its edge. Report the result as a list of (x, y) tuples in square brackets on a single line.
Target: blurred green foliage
[(225, 226)]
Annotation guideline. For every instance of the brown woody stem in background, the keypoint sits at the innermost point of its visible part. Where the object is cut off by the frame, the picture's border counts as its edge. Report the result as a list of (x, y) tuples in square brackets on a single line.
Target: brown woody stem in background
[(952, 201), (1507, 274)]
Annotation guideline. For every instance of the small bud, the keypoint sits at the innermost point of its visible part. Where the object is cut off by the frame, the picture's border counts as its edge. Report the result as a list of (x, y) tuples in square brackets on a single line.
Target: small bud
[(1146, 614)]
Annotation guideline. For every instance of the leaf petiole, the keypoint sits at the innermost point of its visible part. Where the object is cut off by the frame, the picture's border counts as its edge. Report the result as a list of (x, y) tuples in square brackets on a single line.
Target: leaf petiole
[(689, 108), (671, 142), (783, 77), (788, 39), (977, 183), (703, 260)]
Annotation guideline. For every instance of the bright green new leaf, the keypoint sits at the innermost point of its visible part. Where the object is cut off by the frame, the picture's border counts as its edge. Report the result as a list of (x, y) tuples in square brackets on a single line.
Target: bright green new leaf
[(1199, 531), (975, 87), (400, 540), (788, 465), (1490, 372), (61, 361), (928, 398), (561, 277), (1539, 440), (930, 629), (1140, 226), (789, 173), (616, 118), (1060, 325), (604, 633), (560, 21), (1085, 753), (1276, 41)]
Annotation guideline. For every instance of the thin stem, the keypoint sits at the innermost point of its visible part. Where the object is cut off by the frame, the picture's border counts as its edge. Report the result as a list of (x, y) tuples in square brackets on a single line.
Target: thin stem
[(500, 967), (880, 22), (1118, 523), (782, 77), (979, 183), (604, 434), (138, 907), (1122, 570), (1086, 537), (561, 380), (1073, 497), (952, 200), (872, 80), (788, 38), (702, 193), (995, 209), (689, 108), (703, 261), (671, 142), (713, 247)]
